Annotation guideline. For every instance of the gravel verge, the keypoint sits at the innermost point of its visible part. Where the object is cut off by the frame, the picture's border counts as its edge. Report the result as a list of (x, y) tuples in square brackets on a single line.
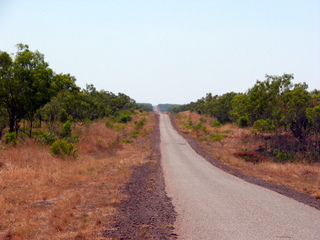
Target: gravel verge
[(147, 212), (286, 191)]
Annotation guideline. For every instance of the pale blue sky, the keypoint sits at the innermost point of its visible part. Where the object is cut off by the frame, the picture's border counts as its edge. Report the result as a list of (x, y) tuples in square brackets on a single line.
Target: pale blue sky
[(169, 51)]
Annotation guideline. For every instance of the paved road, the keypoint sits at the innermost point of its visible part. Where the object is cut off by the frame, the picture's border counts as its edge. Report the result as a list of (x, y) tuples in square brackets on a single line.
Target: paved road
[(212, 204)]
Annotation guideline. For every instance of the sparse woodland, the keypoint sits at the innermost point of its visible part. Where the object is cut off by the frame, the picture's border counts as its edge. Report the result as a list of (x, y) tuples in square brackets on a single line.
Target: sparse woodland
[(285, 115), (64, 152), (39, 103)]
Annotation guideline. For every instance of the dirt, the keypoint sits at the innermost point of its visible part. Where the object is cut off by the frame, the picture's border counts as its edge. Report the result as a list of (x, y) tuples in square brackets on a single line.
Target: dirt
[(147, 212)]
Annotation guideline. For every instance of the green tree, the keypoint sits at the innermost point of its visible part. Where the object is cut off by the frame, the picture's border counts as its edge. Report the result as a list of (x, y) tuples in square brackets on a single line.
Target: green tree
[(25, 84), (296, 103)]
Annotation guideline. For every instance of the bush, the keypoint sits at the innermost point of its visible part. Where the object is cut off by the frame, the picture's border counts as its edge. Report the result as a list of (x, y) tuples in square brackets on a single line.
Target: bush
[(264, 125), (63, 115), (216, 123), (44, 137), (124, 118), (66, 129), (11, 138), (62, 147), (140, 124), (243, 121)]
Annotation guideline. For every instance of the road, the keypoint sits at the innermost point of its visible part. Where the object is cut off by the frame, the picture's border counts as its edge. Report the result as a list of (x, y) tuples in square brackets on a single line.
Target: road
[(212, 204)]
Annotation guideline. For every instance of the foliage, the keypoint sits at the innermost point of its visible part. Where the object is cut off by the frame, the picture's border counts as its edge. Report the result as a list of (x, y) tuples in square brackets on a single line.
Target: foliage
[(11, 138), (166, 107), (243, 121), (33, 92), (269, 106), (140, 124), (146, 107), (216, 137), (124, 117), (44, 137), (62, 147), (216, 123), (264, 125), (66, 130)]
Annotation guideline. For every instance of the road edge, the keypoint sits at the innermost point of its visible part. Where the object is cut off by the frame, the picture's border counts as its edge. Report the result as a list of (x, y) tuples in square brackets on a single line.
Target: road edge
[(147, 212), (286, 191)]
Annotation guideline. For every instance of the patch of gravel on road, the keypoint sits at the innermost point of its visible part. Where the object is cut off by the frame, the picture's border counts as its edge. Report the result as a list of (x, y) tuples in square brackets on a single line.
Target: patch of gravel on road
[(147, 212), (286, 191)]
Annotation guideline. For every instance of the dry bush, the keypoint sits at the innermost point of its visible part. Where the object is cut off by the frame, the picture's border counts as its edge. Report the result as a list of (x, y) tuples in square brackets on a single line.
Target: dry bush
[(240, 148), (46, 197)]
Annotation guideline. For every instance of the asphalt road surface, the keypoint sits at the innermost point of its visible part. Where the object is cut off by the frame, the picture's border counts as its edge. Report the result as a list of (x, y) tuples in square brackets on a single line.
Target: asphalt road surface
[(212, 204)]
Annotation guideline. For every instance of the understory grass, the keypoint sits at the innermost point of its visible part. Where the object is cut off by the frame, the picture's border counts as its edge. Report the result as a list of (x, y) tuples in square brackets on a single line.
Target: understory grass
[(44, 196)]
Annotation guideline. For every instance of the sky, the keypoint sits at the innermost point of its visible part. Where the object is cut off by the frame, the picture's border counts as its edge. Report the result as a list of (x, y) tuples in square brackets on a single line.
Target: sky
[(169, 51)]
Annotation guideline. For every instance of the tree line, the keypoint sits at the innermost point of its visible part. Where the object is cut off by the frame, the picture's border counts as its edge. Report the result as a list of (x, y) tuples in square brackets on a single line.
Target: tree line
[(274, 105), (31, 91)]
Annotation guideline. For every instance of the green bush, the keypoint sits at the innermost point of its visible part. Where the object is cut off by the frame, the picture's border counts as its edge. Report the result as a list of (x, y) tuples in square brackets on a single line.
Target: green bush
[(63, 115), (62, 147), (66, 130), (216, 123), (11, 138), (264, 125), (124, 118), (44, 137), (243, 121)]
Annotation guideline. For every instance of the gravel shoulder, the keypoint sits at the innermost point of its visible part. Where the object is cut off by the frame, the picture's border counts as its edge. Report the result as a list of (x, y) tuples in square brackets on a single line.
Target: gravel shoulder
[(147, 212)]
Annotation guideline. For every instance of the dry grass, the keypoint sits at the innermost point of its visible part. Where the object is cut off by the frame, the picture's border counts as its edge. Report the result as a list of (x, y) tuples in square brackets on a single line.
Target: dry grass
[(240, 144), (46, 197)]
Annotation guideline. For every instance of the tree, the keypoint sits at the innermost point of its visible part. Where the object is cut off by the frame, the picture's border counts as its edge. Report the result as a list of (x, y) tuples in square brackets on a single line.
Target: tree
[(296, 102), (25, 84)]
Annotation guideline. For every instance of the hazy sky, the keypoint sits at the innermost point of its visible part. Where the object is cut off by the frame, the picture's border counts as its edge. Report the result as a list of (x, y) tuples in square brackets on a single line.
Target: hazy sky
[(169, 51)]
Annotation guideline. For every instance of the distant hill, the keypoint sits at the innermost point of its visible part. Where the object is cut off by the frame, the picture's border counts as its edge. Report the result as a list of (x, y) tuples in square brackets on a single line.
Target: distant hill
[(164, 107)]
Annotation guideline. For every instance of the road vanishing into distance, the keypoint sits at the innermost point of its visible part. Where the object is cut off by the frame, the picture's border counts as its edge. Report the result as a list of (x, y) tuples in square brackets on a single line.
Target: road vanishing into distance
[(212, 204)]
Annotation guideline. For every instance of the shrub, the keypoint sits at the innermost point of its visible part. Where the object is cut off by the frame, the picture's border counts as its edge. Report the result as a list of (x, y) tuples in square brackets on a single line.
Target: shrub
[(140, 123), (243, 121), (216, 123), (11, 138), (63, 115), (62, 147), (66, 129), (264, 125), (44, 137), (124, 118)]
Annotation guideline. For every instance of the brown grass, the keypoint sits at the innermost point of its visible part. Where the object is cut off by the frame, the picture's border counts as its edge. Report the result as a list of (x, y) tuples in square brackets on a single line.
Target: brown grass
[(47, 197), (239, 149)]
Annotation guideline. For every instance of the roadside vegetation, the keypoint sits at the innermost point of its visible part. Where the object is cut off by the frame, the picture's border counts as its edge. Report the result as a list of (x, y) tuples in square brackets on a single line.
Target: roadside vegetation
[(64, 151), (271, 131)]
